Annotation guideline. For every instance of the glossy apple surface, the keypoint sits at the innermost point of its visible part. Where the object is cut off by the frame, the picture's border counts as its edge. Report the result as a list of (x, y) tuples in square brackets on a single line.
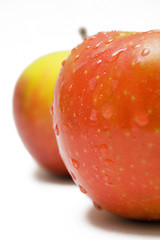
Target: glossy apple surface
[(32, 101), (107, 112)]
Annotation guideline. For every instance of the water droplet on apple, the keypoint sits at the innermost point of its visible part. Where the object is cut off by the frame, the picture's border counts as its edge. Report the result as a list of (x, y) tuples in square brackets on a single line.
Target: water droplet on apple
[(99, 61), (96, 149), (80, 66), (73, 176), (138, 45), (63, 63), (108, 161), (75, 163), (97, 206), (74, 49), (92, 83), (97, 175), (145, 52), (115, 55), (96, 54), (91, 37), (96, 168), (99, 51), (101, 86), (100, 96), (110, 39), (56, 130), (82, 189), (51, 110), (76, 57), (103, 147), (98, 44), (107, 111), (110, 184), (93, 116), (142, 119), (106, 177), (88, 46), (70, 88), (115, 84)]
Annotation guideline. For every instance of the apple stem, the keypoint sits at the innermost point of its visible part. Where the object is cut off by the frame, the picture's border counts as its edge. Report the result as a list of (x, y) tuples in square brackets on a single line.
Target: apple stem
[(83, 32)]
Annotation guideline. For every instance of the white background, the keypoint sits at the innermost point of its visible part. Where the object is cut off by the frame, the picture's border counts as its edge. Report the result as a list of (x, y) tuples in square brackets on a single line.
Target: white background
[(34, 204)]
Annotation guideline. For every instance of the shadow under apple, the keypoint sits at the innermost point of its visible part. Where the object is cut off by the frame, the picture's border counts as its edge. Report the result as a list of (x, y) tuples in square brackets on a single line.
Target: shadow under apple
[(108, 222), (44, 176)]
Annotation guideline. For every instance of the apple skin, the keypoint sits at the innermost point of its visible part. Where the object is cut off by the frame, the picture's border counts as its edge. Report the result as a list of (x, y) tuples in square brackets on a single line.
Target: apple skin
[(107, 110), (33, 95)]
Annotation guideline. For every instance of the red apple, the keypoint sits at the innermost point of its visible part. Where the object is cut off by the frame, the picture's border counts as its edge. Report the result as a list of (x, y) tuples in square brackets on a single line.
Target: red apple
[(107, 120), (32, 100)]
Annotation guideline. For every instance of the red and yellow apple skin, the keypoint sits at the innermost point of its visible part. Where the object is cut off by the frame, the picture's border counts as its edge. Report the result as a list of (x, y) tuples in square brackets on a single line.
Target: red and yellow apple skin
[(107, 112), (32, 101)]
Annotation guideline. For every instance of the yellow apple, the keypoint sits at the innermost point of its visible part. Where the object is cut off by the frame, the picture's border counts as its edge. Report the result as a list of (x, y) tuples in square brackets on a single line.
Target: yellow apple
[(33, 95)]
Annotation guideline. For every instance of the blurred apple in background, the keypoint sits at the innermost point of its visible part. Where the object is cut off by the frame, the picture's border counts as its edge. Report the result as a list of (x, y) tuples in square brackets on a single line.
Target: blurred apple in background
[(32, 101)]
